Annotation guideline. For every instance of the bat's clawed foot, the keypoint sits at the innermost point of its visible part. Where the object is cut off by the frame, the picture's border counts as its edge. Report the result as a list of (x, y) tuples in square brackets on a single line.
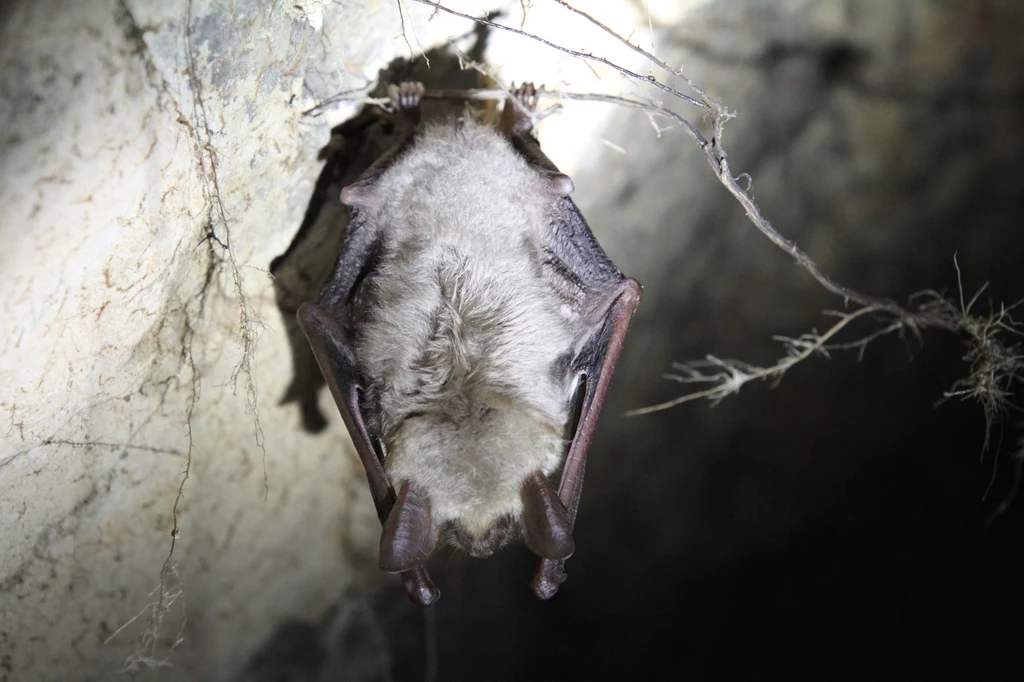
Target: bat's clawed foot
[(405, 102), (526, 96), (520, 113)]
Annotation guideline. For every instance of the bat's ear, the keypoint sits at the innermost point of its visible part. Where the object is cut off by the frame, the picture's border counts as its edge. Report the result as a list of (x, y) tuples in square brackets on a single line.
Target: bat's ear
[(409, 534), (359, 194), (546, 526), (560, 184)]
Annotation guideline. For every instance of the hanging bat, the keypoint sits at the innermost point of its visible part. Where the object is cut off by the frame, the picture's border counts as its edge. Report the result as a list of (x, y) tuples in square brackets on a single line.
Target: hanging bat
[(468, 334)]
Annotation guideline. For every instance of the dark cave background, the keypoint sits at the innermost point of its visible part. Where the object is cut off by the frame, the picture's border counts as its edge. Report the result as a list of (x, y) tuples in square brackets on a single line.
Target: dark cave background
[(836, 525)]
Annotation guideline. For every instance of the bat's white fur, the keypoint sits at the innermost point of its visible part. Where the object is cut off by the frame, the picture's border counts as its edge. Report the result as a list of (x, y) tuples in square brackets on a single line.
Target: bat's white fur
[(463, 329)]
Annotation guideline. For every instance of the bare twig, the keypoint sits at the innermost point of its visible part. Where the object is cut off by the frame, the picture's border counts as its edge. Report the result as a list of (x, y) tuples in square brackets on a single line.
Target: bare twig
[(636, 48), (405, 36), (343, 96), (526, 8), (248, 321), (169, 592), (573, 53), (499, 94), (731, 375)]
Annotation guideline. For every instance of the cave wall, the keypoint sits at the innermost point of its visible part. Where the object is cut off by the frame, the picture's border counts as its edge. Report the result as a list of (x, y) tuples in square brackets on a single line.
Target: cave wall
[(156, 158)]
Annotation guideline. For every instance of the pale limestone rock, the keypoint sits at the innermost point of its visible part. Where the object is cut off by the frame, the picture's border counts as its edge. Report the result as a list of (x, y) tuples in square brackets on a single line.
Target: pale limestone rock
[(116, 348), (120, 326)]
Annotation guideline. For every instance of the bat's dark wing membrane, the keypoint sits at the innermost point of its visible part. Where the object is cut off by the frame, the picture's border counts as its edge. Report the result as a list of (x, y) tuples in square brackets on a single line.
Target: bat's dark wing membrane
[(606, 302), (327, 323), (603, 298)]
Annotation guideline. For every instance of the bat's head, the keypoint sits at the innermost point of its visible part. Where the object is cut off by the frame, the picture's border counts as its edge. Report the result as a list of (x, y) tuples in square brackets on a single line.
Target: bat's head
[(477, 474)]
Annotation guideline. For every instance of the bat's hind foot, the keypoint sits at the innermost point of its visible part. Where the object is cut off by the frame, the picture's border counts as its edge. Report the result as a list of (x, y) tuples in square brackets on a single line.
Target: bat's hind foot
[(405, 102), (522, 111), (526, 96)]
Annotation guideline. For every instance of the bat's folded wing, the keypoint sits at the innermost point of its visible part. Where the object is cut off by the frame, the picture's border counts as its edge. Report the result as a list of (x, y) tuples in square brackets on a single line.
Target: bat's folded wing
[(336, 360), (605, 300)]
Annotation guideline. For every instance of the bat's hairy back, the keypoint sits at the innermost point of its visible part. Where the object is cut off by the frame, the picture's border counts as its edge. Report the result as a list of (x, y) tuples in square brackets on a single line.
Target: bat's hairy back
[(463, 330)]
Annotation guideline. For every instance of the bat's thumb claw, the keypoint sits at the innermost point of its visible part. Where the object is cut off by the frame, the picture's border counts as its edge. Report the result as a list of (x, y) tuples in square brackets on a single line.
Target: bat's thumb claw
[(420, 588), (549, 578)]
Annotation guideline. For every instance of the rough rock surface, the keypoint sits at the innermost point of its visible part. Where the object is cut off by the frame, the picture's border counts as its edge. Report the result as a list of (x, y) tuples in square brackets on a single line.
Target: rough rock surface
[(155, 159)]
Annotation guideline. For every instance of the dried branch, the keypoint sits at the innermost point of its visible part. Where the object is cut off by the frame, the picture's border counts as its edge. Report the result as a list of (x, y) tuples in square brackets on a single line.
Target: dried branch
[(249, 323), (405, 36), (636, 48), (145, 652), (343, 96), (733, 374), (572, 53)]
